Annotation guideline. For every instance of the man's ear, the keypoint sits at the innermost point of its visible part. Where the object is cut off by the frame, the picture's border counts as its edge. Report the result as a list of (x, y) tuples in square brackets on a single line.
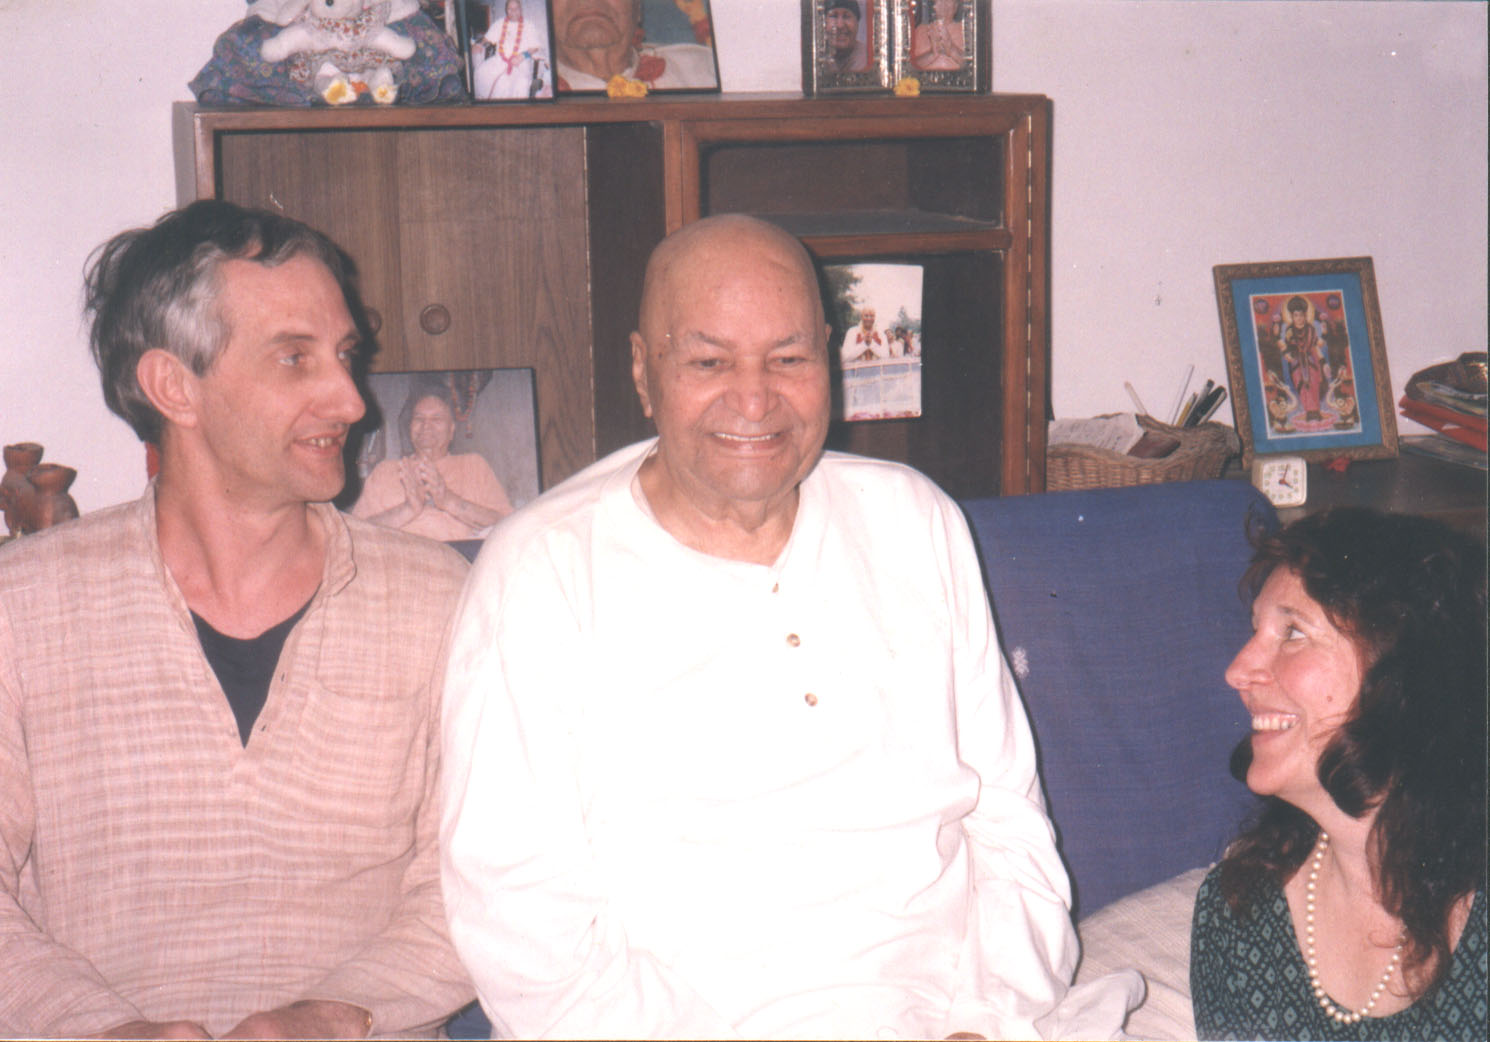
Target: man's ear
[(639, 372), (169, 385)]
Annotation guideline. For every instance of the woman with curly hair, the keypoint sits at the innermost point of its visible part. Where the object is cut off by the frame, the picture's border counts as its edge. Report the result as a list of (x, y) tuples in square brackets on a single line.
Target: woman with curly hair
[(1353, 904)]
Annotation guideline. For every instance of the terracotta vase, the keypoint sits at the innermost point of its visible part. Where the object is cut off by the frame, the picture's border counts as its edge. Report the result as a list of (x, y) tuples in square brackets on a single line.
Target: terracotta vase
[(20, 459), (49, 504)]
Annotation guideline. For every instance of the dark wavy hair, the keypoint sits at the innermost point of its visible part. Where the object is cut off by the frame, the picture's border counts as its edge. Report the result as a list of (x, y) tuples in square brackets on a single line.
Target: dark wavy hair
[(157, 287), (1409, 593)]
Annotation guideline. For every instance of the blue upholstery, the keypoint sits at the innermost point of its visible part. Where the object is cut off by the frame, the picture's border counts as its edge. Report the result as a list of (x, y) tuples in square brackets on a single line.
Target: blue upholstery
[(1119, 611)]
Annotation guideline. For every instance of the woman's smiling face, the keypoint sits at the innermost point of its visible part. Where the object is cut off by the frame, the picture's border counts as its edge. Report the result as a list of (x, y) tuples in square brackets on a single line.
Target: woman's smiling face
[(1299, 676)]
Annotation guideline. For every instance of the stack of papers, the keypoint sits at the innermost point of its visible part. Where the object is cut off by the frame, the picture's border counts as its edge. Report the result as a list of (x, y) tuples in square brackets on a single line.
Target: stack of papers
[(1116, 432)]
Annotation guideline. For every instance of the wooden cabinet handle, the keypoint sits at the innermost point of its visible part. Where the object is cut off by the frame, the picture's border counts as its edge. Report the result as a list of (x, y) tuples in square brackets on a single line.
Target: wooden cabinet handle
[(434, 319), (374, 320)]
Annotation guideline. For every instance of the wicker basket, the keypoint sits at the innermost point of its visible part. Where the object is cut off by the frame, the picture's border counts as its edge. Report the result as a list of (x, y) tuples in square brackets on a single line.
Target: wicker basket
[(1203, 452)]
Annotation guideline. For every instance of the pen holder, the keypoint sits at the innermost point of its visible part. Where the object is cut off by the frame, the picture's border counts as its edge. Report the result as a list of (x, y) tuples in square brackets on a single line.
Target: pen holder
[(1202, 453)]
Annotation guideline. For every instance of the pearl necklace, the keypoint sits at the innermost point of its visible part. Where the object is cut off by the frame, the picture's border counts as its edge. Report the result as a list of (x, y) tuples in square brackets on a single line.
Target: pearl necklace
[(1334, 1012)]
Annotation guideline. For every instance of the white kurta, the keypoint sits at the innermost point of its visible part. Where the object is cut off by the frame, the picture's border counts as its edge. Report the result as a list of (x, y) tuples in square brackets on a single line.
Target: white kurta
[(685, 796)]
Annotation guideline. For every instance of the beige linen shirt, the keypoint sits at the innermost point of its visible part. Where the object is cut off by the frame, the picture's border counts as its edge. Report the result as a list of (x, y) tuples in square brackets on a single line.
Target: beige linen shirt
[(151, 865)]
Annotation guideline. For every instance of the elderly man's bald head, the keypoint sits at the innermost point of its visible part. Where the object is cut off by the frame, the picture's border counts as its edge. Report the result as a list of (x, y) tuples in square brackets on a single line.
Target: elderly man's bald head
[(708, 246), (731, 364)]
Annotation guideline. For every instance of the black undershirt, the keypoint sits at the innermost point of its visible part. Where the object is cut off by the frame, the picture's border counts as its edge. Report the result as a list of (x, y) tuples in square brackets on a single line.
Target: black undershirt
[(245, 668)]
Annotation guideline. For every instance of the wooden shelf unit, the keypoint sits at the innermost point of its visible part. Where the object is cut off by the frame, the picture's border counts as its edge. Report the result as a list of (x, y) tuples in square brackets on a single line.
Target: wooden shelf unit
[(529, 225)]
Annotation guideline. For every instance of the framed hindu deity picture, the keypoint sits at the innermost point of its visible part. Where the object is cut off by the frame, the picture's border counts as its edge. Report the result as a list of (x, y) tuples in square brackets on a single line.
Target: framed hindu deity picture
[(876, 349), (445, 455), (943, 44), (508, 50), (1305, 359), (846, 46)]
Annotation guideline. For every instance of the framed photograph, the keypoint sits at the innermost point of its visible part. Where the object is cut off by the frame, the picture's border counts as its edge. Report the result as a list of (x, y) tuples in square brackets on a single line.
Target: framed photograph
[(507, 49), (846, 46), (445, 455), (944, 44), (878, 353), (1305, 360), (666, 44)]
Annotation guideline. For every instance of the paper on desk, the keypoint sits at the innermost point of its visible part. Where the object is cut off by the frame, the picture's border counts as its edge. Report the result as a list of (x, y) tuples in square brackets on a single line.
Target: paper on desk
[(1117, 431)]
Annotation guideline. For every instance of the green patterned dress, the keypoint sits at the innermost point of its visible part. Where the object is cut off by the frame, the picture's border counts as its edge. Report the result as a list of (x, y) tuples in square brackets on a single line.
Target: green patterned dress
[(1248, 979)]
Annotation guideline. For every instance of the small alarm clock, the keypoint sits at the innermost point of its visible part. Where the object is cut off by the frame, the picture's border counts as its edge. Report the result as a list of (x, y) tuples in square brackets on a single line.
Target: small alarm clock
[(1283, 479)]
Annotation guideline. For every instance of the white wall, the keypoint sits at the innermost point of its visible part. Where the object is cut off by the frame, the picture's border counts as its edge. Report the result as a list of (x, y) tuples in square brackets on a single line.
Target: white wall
[(1187, 134), (1190, 134)]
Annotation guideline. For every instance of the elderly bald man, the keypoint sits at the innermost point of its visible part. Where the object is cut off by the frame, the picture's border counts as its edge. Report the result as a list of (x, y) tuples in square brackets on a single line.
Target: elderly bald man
[(730, 748)]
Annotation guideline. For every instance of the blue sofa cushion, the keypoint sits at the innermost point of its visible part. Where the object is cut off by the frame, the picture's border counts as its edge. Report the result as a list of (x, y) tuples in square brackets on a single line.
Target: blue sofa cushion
[(1119, 611)]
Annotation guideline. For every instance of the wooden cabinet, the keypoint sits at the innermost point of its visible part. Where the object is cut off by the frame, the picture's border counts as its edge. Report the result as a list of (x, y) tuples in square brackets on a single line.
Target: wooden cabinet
[(516, 235)]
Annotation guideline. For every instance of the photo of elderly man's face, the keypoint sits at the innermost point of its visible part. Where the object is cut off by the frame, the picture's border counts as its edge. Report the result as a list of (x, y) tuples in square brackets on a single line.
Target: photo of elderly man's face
[(662, 44), (595, 23)]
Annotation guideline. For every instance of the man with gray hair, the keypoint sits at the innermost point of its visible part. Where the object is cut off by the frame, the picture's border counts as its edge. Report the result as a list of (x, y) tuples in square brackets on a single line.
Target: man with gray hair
[(219, 704)]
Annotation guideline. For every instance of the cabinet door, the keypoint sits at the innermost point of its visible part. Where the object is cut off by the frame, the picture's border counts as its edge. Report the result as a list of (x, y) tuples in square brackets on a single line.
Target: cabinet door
[(342, 183), (471, 244), (493, 270)]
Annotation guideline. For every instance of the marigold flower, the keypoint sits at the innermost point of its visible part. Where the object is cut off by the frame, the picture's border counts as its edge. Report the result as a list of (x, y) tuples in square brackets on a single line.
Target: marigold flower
[(619, 86), (339, 92)]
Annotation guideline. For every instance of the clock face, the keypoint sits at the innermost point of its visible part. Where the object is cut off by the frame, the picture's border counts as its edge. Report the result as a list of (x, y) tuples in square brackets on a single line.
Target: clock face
[(1283, 479)]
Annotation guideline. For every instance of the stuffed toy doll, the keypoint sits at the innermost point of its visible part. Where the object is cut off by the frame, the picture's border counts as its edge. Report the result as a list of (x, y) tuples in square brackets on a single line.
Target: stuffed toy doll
[(332, 52)]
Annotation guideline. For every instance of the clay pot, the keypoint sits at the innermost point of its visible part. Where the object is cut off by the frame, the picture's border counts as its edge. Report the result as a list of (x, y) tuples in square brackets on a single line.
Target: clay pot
[(50, 504), (20, 459)]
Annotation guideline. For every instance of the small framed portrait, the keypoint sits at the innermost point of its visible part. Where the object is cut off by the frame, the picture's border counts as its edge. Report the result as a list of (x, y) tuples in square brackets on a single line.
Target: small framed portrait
[(944, 44), (508, 50), (1305, 359), (877, 343), (666, 45), (445, 455), (846, 46)]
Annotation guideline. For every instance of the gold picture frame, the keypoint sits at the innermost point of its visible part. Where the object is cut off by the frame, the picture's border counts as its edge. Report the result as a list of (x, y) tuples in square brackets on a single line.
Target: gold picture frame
[(846, 46), (1306, 360), (943, 44)]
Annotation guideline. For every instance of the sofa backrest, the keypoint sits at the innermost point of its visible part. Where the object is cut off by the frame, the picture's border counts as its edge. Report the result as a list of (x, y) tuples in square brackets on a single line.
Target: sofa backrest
[(1119, 611)]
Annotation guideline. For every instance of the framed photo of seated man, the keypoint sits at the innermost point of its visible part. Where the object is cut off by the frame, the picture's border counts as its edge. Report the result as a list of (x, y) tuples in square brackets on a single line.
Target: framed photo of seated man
[(508, 49), (445, 455)]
